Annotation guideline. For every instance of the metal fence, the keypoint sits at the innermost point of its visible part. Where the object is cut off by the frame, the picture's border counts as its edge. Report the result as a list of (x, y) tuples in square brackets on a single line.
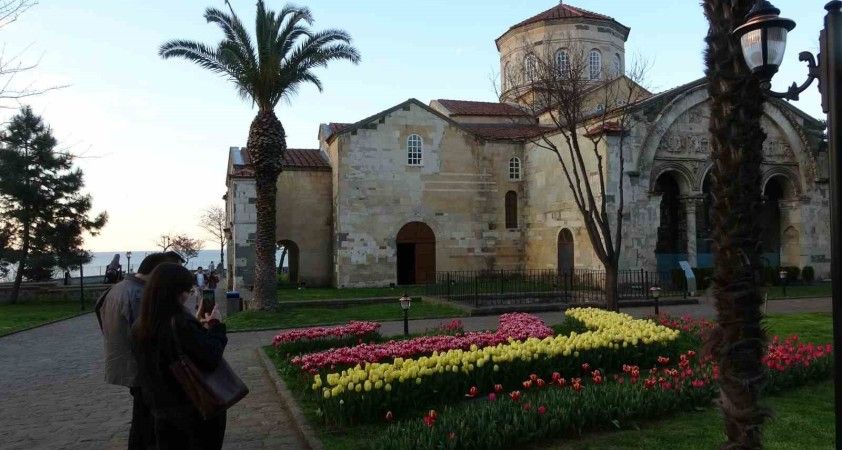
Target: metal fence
[(574, 286)]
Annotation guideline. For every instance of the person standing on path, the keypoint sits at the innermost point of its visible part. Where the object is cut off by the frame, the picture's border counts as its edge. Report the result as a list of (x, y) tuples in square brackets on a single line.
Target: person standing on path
[(116, 311), (166, 330)]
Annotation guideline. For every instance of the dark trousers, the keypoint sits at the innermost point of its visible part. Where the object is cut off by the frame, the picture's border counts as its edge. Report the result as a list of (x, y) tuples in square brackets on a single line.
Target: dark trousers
[(142, 431), (190, 433)]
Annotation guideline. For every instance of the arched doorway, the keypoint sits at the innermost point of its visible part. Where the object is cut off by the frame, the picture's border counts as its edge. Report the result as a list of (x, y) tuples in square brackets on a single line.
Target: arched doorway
[(416, 249), (672, 230), (287, 263), (565, 250), (780, 241)]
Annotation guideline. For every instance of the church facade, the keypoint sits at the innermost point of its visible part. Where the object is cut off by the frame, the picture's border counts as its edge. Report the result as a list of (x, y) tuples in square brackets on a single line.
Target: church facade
[(454, 185)]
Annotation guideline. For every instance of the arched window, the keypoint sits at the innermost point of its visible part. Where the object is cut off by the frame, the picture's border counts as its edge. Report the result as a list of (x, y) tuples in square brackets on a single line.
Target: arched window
[(511, 209), (562, 61), (530, 68), (618, 65), (414, 150), (514, 168), (595, 64)]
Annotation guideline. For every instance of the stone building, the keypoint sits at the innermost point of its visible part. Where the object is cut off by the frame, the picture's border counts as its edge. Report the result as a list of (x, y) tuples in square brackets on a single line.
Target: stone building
[(460, 185)]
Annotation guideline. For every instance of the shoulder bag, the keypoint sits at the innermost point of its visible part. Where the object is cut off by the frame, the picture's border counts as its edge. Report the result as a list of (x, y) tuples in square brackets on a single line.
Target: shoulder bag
[(211, 392)]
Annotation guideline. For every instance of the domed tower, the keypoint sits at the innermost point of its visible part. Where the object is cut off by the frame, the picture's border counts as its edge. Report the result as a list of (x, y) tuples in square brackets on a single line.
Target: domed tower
[(568, 36)]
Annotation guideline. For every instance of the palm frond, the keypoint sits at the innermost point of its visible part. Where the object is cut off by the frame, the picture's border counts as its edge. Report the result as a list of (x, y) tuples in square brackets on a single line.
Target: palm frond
[(197, 52)]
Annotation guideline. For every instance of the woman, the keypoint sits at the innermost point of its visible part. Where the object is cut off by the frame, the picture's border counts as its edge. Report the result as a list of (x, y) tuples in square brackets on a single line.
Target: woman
[(163, 319), (113, 269)]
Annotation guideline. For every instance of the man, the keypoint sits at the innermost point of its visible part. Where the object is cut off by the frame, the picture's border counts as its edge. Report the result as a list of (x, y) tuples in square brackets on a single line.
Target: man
[(200, 279), (116, 311)]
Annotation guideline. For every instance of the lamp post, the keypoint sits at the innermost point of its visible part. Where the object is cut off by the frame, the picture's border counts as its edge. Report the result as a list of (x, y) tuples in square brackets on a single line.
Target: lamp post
[(406, 303), (763, 42), (128, 262), (782, 276), (656, 294)]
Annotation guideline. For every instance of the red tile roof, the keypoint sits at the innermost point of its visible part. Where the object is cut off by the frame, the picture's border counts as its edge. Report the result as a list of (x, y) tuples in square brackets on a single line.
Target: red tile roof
[(563, 11), (472, 108), (294, 159), (509, 132)]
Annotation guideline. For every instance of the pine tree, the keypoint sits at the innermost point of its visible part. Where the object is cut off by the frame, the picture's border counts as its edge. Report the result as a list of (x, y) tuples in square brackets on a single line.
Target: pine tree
[(42, 208)]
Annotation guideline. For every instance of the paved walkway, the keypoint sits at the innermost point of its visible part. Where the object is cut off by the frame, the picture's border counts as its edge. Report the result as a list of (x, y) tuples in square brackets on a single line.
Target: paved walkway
[(52, 393)]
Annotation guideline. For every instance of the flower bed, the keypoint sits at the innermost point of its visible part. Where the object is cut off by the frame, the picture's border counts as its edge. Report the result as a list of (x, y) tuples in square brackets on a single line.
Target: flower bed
[(560, 407), (516, 326), (300, 340), (364, 392)]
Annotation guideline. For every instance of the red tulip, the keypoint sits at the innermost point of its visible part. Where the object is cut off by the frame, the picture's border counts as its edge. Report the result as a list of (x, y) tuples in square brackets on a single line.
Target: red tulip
[(472, 392), (527, 406), (498, 388), (527, 384), (663, 360), (492, 397), (515, 395), (542, 410), (533, 377), (432, 413), (586, 367), (540, 382), (561, 382)]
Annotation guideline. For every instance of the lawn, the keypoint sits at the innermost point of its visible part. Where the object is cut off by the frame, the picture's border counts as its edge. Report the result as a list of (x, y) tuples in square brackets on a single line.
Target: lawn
[(803, 419), (24, 315), (809, 290), (289, 295), (309, 315)]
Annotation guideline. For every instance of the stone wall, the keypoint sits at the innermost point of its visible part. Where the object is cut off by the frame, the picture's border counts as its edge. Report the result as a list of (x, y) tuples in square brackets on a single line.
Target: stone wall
[(240, 204), (458, 192), (304, 216)]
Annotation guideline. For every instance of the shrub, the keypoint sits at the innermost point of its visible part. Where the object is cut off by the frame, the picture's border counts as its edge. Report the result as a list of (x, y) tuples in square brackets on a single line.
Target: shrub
[(793, 273), (808, 274)]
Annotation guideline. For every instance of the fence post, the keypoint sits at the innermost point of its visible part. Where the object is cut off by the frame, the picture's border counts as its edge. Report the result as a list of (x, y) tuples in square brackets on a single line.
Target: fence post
[(448, 286), (476, 291), (646, 286)]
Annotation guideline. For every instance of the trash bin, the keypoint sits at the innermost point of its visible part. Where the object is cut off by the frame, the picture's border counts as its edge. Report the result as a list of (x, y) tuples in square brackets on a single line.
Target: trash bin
[(234, 303)]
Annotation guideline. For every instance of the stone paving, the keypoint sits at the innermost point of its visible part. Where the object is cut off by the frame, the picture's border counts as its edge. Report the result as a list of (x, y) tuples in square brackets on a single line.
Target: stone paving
[(52, 393)]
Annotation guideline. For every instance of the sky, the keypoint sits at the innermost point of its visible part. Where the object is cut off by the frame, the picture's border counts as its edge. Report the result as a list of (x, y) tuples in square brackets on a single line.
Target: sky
[(153, 134)]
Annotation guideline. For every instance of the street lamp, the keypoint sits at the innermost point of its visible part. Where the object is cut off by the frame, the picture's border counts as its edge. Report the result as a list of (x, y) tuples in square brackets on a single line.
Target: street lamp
[(782, 276), (763, 42), (656, 294), (406, 303), (128, 262)]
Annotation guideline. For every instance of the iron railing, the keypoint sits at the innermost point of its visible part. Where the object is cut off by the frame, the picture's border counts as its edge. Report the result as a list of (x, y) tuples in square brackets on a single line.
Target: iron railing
[(573, 286)]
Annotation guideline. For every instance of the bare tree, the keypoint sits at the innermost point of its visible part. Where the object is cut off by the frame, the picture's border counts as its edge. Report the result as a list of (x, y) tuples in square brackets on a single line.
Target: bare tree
[(187, 247), (213, 221), (582, 103), (12, 65), (165, 242)]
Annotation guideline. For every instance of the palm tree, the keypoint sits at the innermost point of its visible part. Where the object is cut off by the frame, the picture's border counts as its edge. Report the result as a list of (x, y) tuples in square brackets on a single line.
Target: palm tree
[(737, 145), (273, 65)]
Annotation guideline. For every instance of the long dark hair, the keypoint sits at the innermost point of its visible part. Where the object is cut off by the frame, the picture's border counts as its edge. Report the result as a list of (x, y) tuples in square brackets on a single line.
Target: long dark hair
[(161, 299)]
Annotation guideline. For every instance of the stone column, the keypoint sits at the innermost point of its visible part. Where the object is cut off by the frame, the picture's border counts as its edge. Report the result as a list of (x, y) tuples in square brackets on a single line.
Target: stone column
[(690, 207)]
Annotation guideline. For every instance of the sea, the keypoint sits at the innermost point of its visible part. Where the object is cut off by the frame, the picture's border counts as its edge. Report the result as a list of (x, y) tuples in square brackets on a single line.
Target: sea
[(101, 260)]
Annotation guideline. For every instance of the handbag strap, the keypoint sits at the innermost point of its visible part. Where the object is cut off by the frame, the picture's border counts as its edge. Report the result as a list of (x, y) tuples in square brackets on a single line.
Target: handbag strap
[(176, 340)]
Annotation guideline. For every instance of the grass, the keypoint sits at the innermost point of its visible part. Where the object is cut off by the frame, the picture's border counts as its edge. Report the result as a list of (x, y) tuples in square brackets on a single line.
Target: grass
[(29, 314), (803, 418), (810, 327), (310, 315), (807, 290), (289, 295)]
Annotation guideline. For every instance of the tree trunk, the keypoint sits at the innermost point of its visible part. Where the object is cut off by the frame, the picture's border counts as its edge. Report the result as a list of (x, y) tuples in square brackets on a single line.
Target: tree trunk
[(612, 295), (266, 144), (24, 253), (737, 145)]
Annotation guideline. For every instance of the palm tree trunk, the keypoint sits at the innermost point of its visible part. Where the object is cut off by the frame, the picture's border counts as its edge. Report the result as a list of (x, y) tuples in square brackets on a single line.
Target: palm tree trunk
[(737, 145), (267, 144)]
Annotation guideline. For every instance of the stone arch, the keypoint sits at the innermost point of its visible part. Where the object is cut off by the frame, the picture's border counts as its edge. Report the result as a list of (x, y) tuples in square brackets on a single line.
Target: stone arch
[(798, 145), (682, 175), (785, 175), (292, 258), (416, 253), (664, 121)]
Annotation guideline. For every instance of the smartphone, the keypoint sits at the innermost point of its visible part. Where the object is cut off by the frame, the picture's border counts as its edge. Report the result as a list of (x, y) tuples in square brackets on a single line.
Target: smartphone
[(207, 305)]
